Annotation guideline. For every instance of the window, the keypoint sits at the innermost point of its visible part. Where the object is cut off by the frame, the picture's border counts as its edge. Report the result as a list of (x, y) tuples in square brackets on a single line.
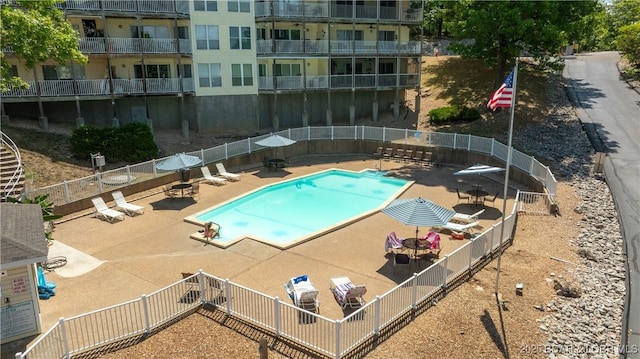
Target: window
[(284, 34), (239, 6), (150, 32), (182, 32), (207, 37), (152, 71), (184, 71), (208, 5), (12, 71), (241, 75), (62, 72), (287, 70), (240, 37), (386, 35), (209, 75)]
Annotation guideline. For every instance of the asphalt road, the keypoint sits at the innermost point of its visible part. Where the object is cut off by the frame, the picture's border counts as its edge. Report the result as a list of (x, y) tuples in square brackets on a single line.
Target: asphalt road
[(610, 110)]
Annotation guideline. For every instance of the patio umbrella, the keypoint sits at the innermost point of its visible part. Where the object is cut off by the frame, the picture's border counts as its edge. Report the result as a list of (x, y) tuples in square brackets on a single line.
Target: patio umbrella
[(178, 162), (418, 212), (478, 169), (275, 141)]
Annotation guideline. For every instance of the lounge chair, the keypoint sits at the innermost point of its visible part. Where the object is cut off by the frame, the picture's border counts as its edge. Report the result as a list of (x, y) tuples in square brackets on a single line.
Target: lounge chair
[(104, 212), (228, 175), (393, 242), (128, 208), (210, 178), (346, 293), (467, 218), (303, 294), (457, 227)]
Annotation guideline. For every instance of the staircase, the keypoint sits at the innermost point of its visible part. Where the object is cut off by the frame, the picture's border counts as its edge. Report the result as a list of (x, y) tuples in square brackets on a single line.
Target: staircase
[(11, 171)]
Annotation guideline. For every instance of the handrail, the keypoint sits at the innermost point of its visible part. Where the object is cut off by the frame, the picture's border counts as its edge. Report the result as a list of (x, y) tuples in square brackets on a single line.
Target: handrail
[(9, 188)]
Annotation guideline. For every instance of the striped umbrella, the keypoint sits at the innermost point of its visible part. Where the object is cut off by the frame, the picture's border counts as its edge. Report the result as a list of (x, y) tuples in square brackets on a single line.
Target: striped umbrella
[(478, 170), (418, 212)]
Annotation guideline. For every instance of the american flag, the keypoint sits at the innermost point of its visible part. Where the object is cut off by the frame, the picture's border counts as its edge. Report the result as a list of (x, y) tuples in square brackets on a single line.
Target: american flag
[(502, 97)]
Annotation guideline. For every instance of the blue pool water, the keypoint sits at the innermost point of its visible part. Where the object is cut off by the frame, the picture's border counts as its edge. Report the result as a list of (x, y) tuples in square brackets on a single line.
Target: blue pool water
[(287, 212)]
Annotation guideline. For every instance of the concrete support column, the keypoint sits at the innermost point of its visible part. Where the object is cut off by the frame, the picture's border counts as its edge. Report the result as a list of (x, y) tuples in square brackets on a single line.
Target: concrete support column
[(276, 122), (43, 122), (374, 111), (329, 117), (396, 109), (352, 115), (417, 103), (115, 122), (185, 130), (305, 119), (79, 121)]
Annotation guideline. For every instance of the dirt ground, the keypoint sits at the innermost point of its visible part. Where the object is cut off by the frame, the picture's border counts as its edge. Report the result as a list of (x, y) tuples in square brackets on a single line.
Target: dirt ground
[(467, 323)]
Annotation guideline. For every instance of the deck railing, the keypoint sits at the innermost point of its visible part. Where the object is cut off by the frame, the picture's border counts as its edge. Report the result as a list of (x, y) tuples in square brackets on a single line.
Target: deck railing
[(328, 337), (91, 186)]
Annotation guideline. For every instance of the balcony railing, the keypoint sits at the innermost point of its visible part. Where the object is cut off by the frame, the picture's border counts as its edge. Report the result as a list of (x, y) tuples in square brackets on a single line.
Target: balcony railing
[(292, 10), (61, 88), (339, 47), (96, 45), (337, 81), (146, 6)]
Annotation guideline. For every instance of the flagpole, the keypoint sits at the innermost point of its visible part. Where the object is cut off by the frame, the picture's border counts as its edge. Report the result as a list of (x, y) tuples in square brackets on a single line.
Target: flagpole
[(506, 174)]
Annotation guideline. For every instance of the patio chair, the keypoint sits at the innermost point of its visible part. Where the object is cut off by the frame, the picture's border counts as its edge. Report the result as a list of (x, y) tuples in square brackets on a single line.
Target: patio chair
[(303, 294), (169, 192), (401, 260), (417, 157), (122, 204), (462, 197), (393, 242), (467, 218), (430, 243), (208, 177), (378, 153), (104, 212), (228, 175), (194, 190), (492, 200), (346, 293)]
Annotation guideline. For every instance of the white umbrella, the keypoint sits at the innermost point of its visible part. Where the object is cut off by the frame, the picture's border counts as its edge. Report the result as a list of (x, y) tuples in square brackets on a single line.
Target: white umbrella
[(177, 162), (479, 169), (275, 141)]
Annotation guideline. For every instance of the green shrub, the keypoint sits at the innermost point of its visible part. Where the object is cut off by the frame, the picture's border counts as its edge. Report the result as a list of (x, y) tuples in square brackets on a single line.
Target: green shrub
[(453, 113), (130, 143)]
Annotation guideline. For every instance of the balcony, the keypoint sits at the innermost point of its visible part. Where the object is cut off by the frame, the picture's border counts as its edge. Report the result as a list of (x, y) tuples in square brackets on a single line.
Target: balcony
[(125, 6), (338, 47), (96, 45), (66, 88), (323, 82), (292, 10)]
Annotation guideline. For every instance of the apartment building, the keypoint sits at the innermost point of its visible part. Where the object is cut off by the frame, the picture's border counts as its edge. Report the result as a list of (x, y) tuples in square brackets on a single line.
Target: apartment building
[(207, 65)]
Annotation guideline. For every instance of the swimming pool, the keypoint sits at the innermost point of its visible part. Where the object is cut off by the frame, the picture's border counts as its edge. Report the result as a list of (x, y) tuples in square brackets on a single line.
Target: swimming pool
[(293, 211)]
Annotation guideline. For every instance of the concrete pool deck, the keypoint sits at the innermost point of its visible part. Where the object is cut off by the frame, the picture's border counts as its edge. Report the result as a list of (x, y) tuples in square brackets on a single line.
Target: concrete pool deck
[(145, 253)]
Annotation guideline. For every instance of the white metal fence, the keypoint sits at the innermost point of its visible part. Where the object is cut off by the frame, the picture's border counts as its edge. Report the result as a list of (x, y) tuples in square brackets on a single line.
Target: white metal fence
[(91, 186), (329, 337)]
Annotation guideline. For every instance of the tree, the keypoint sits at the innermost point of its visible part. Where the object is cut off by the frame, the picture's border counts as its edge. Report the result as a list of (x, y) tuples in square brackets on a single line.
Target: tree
[(35, 31), (502, 30), (628, 41), (625, 12)]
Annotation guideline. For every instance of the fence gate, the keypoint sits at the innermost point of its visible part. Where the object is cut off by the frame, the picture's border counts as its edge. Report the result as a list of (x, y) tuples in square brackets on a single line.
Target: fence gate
[(535, 203)]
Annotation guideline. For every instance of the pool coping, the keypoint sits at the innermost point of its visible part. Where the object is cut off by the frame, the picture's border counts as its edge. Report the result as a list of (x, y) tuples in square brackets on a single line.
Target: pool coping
[(199, 236)]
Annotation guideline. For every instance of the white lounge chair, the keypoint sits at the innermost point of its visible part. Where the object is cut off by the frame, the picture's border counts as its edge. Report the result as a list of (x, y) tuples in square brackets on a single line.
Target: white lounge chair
[(228, 175), (128, 208), (104, 212), (467, 218), (210, 178), (303, 293), (346, 293), (457, 227)]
